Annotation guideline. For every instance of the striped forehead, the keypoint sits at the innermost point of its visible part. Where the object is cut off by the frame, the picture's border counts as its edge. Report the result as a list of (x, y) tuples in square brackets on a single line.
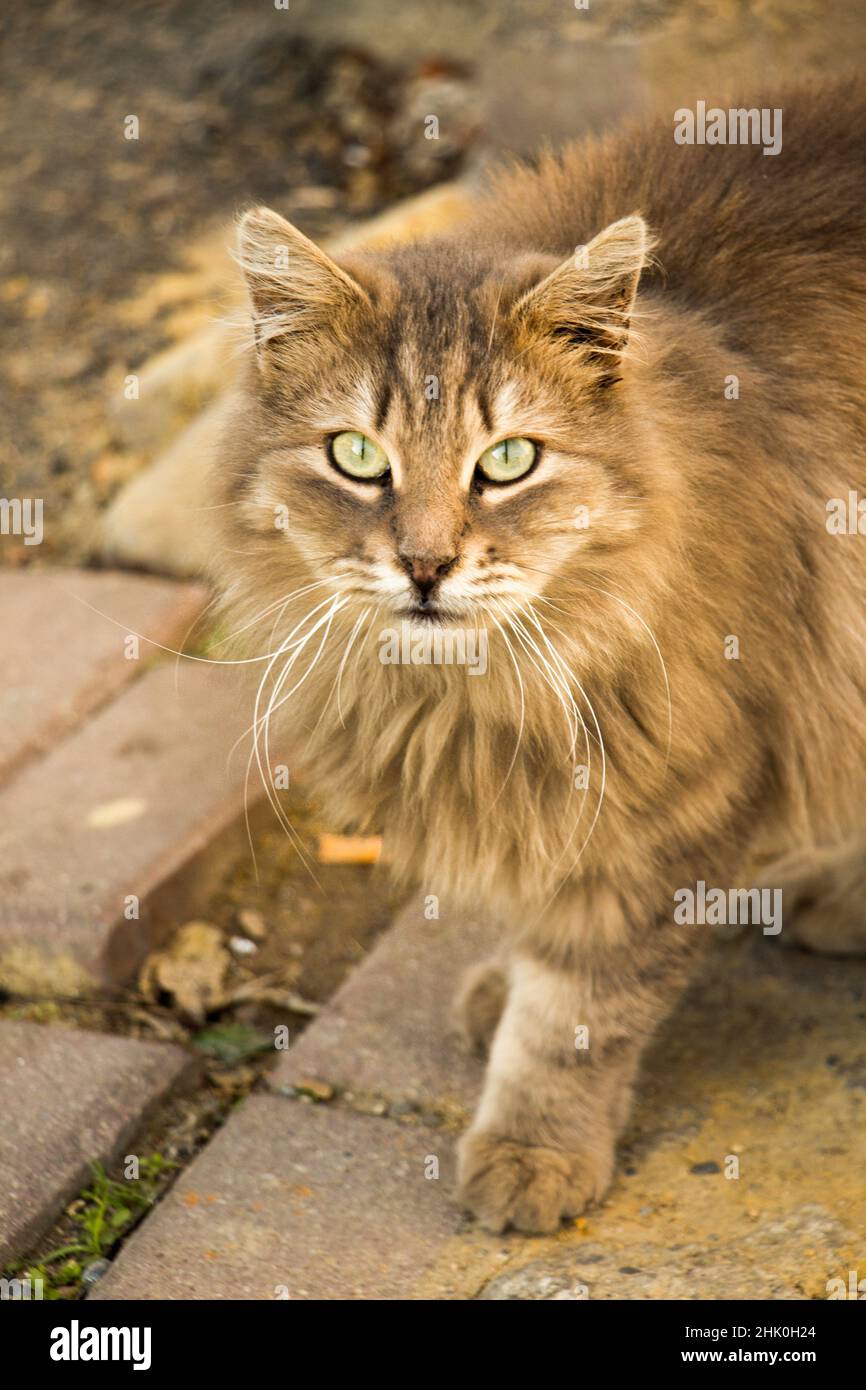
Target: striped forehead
[(432, 412), (437, 333), (438, 381), (433, 397)]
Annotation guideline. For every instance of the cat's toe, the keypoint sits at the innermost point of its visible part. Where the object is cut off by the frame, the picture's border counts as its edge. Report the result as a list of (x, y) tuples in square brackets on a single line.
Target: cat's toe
[(480, 1003), (506, 1183)]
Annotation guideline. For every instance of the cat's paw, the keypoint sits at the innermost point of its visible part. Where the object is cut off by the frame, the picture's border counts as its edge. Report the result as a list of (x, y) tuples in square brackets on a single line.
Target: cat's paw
[(505, 1183), (480, 1003)]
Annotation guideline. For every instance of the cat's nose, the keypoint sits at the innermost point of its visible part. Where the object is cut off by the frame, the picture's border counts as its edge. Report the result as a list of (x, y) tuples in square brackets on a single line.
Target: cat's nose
[(425, 571)]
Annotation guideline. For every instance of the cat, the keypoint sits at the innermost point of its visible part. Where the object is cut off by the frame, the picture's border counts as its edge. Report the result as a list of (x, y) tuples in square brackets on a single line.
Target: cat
[(603, 421)]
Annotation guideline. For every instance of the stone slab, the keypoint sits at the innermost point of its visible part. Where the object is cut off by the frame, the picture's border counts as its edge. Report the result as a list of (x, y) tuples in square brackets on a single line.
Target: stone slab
[(390, 1030), (62, 638), (295, 1201), (68, 1098), (120, 810)]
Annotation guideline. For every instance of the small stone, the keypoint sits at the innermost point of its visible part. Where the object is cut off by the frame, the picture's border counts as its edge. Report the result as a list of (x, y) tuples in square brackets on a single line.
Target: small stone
[(546, 1280), (316, 1090), (370, 1106), (356, 156), (252, 924), (710, 1166), (402, 1107), (94, 1272), (242, 946)]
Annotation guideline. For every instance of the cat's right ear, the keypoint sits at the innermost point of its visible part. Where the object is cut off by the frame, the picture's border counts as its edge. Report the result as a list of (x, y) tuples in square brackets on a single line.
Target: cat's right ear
[(295, 290)]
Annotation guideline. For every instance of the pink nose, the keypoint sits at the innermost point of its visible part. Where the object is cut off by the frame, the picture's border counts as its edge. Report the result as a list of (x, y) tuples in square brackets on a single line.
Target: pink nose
[(425, 571)]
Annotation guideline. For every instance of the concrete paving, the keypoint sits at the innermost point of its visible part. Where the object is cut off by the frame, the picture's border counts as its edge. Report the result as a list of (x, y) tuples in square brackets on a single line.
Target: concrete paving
[(63, 637), (97, 830), (68, 1099), (739, 1175), (296, 1201), (390, 1031)]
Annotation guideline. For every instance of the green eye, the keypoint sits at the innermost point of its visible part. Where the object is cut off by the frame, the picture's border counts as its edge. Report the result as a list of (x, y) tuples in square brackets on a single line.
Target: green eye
[(508, 460), (357, 456)]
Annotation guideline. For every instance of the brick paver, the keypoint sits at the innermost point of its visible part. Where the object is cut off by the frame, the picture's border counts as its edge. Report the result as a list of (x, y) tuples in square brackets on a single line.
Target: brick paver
[(390, 1029), (67, 1098), (295, 1201), (119, 810), (61, 659)]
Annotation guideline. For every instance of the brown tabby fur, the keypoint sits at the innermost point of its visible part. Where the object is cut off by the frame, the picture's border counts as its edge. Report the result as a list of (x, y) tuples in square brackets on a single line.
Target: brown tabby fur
[(707, 520)]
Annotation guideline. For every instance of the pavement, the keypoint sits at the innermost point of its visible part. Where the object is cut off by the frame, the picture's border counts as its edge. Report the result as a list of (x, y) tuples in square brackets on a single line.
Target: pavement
[(740, 1175)]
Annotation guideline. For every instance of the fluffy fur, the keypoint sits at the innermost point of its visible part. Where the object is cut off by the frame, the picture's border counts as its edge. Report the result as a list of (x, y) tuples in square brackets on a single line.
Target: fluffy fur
[(551, 316)]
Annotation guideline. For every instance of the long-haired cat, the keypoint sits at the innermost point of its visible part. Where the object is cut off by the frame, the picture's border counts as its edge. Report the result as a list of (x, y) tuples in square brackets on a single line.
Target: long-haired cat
[(603, 425)]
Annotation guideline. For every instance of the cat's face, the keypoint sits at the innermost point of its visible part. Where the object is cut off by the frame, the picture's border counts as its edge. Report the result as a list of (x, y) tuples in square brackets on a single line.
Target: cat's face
[(440, 436)]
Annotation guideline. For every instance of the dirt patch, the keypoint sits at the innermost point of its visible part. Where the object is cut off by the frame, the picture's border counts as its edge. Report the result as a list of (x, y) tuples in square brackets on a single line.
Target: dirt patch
[(225, 105)]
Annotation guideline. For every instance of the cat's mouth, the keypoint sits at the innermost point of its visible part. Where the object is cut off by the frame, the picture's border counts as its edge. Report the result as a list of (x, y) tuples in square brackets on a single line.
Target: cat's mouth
[(417, 612)]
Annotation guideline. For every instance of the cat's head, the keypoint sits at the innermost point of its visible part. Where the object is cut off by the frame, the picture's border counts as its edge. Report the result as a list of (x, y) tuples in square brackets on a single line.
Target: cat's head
[(438, 429)]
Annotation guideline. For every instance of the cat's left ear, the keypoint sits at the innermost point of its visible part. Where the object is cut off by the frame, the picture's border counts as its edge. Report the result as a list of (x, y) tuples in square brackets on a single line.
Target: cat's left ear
[(296, 291), (587, 301)]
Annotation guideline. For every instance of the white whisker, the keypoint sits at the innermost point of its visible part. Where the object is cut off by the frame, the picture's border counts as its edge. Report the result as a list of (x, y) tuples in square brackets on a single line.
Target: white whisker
[(349, 646), (500, 629), (258, 720), (548, 674), (280, 603), (600, 741)]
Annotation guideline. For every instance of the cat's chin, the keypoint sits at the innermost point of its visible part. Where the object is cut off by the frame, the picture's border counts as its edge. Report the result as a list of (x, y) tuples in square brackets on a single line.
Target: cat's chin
[(420, 616)]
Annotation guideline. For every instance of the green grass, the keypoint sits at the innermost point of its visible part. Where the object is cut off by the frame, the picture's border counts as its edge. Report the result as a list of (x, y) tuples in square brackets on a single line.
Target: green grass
[(102, 1214)]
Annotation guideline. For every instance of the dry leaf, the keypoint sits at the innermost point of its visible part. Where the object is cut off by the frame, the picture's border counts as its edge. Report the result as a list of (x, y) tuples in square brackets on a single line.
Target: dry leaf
[(192, 970)]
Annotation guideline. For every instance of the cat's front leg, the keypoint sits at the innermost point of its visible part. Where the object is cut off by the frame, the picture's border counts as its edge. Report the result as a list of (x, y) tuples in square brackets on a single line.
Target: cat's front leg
[(561, 1072)]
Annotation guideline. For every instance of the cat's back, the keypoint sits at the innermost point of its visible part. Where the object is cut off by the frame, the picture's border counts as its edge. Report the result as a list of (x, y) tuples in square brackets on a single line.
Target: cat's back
[(735, 226)]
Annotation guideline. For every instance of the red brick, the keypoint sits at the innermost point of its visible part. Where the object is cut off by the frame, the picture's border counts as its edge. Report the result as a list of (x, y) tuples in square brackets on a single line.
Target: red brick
[(68, 1099), (61, 659), (155, 763)]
